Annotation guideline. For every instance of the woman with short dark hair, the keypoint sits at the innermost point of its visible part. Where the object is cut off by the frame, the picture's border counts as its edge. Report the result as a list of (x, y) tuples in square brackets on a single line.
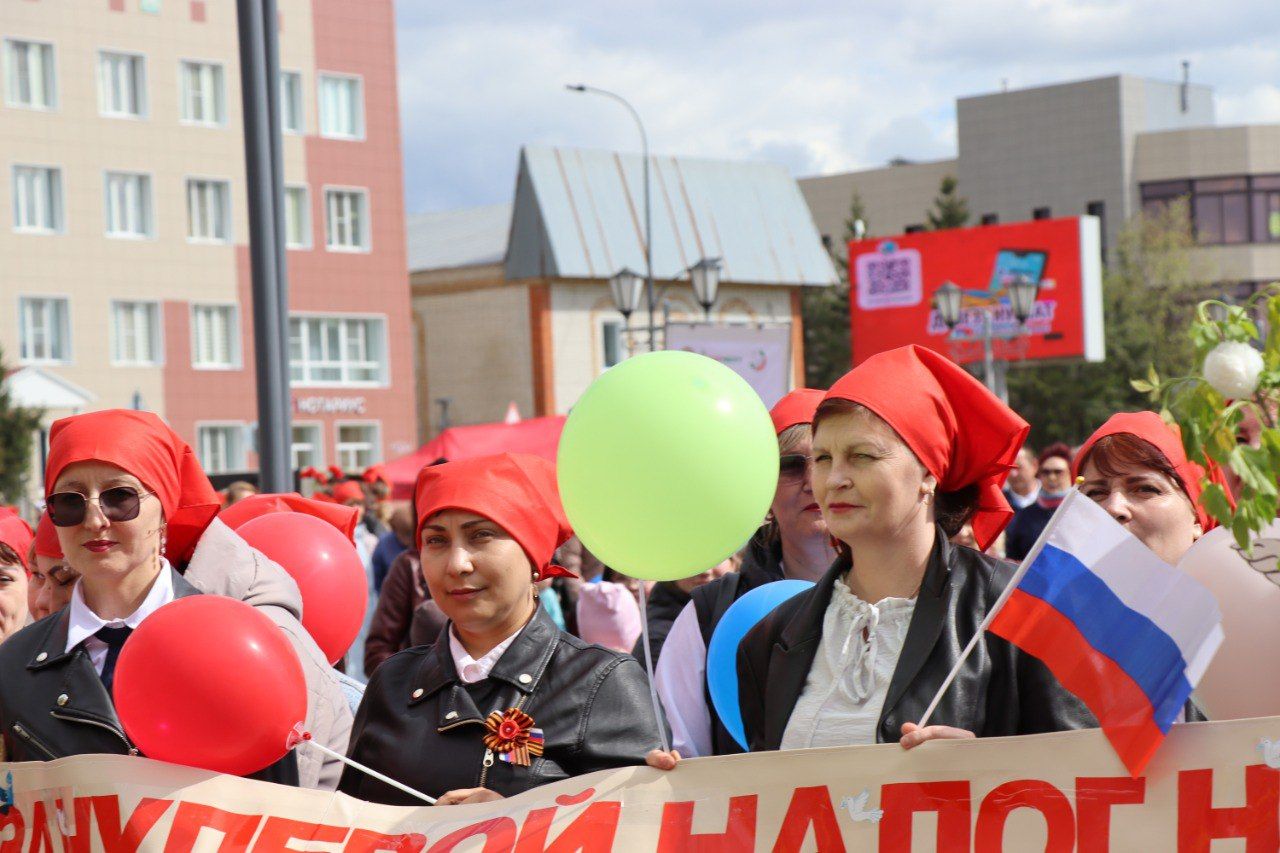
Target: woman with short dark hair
[(907, 448)]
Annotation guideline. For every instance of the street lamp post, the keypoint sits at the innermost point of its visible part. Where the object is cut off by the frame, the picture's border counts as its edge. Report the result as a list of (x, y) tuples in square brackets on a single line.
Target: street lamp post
[(947, 301), (648, 212), (705, 275)]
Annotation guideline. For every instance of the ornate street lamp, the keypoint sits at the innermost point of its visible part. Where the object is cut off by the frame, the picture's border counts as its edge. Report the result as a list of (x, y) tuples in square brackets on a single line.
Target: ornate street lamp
[(946, 300), (1022, 297), (705, 275), (625, 287)]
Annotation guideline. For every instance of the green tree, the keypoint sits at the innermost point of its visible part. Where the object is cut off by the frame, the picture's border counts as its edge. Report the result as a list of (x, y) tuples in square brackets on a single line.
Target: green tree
[(1149, 296), (950, 209), (825, 311), (17, 429)]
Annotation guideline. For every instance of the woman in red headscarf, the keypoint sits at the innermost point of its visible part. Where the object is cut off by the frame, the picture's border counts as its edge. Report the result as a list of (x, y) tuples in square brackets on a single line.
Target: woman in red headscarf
[(134, 514), (15, 542), (907, 447), (793, 543), (1135, 468), (503, 701), (52, 578)]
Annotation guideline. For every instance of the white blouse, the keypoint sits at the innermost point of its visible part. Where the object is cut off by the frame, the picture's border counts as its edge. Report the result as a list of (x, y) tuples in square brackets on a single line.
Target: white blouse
[(845, 690)]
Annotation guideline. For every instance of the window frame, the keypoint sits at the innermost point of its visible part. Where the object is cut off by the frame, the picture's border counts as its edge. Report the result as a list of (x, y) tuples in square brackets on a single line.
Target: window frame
[(366, 246), (240, 427), (308, 228), (361, 123), (149, 212), (157, 333), (235, 348), (69, 355), (384, 381), (601, 323), (144, 101), (221, 96), (227, 223), (301, 129), (318, 427), (50, 73), (59, 206), (378, 450)]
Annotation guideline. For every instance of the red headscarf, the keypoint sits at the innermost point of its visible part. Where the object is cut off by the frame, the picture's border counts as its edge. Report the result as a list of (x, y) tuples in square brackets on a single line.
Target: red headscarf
[(795, 408), (348, 490), (144, 446), (16, 533), (515, 490), (47, 544), (1166, 438), (341, 517), (960, 431)]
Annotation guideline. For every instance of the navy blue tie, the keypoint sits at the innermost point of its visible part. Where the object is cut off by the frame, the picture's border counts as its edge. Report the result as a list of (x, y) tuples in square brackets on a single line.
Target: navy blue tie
[(114, 638)]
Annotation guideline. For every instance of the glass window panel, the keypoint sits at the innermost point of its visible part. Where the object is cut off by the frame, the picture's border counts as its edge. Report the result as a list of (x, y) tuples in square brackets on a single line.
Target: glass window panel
[(1220, 185), (1235, 218), (1265, 182), (291, 115), (1208, 218), (1165, 189)]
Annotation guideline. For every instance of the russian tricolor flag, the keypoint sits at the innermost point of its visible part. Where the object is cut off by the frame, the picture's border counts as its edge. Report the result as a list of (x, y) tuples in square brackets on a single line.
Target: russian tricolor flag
[(1121, 629)]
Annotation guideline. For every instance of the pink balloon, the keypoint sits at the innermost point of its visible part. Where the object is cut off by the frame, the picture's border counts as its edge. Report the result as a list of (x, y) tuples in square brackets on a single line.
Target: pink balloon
[(327, 569), (1237, 684), (210, 682)]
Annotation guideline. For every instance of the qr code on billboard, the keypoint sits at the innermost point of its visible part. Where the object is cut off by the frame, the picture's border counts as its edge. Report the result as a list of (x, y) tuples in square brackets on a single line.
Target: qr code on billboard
[(888, 278)]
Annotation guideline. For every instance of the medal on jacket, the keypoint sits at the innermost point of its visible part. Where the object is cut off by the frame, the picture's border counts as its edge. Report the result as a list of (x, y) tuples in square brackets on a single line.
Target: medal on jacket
[(512, 736)]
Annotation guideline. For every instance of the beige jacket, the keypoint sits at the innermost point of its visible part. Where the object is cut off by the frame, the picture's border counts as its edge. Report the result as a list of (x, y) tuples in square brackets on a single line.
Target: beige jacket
[(224, 564)]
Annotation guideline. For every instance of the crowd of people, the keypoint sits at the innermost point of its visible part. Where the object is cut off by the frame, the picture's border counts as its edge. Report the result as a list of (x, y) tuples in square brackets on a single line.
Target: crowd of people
[(501, 655)]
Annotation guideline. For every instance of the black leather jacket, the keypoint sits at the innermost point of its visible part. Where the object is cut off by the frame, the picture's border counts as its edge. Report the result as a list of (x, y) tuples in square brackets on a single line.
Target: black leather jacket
[(999, 691), (420, 725), (53, 703)]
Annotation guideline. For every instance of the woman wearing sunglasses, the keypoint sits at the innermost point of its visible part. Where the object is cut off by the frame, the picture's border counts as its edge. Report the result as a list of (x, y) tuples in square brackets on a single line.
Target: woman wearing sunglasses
[(793, 543), (503, 701), (907, 447), (135, 516)]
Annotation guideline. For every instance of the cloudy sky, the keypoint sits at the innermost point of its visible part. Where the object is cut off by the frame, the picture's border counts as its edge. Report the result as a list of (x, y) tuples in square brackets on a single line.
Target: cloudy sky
[(820, 86)]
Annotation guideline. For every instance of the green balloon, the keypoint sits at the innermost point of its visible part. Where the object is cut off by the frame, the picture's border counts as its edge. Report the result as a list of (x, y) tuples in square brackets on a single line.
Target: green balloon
[(667, 465)]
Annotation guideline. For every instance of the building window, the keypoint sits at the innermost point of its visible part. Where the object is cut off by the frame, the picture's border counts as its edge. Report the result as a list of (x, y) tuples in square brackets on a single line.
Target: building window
[(122, 85), (215, 337), (297, 218), (208, 211), (37, 199), (291, 116), (611, 343), (1041, 213), (1220, 210), (306, 449), (359, 446), (220, 447), (914, 229), (346, 220), (990, 219), (341, 107), (135, 333), (337, 350), (203, 93), (128, 205), (28, 68), (1266, 208), (1099, 209), (44, 335)]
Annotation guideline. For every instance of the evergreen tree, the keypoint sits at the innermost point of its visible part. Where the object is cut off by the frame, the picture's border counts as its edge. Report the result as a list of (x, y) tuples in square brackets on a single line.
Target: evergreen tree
[(17, 431), (950, 209), (825, 311)]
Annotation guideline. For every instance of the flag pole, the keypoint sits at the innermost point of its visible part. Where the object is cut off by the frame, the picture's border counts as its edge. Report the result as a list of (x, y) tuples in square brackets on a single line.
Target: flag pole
[(1031, 557)]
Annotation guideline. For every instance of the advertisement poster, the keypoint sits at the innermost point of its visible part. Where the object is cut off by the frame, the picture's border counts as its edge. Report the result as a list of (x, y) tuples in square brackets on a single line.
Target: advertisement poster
[(759, 354), (894, 280)]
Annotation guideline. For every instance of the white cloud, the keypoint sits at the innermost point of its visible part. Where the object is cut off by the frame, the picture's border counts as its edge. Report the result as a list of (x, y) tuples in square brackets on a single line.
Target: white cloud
[(823, 87)]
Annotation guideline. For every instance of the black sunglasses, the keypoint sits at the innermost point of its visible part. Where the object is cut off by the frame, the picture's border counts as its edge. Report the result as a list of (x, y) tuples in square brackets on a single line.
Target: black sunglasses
[(793, 467), (67, 509)]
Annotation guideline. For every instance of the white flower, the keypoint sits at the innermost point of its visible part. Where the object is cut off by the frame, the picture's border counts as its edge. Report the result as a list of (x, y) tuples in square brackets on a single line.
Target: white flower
[(1232, 369)]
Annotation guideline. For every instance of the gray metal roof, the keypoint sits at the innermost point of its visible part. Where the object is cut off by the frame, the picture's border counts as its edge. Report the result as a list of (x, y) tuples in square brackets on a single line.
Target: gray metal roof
[(580, 214), (458, 238)]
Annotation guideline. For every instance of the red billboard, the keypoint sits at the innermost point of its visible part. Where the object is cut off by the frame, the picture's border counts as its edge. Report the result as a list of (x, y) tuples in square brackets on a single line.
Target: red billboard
[(893, 280)]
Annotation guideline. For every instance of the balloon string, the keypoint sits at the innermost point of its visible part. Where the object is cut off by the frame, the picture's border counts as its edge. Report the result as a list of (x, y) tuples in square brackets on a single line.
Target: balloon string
[(307, 739), (648, 663)]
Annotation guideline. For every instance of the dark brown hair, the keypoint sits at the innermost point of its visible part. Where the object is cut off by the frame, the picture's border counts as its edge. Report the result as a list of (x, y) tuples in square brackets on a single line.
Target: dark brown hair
[(8, 556), (1117, 454), (951, 509)]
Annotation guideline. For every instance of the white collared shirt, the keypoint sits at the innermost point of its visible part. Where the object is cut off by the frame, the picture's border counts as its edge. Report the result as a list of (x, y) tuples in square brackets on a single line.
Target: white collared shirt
[(84, 623), (1018, 501), (471, 670)]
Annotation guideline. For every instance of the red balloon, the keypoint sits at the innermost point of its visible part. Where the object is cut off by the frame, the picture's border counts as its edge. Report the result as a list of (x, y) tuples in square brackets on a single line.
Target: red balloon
[(328, 572), (209, 682)]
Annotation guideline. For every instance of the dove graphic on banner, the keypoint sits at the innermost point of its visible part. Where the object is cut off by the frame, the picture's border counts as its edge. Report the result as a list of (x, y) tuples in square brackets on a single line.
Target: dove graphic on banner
[(857, 808)]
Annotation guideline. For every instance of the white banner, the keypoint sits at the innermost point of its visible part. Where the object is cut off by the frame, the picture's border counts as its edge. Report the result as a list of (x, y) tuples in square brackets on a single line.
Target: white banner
[(759, 354)]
